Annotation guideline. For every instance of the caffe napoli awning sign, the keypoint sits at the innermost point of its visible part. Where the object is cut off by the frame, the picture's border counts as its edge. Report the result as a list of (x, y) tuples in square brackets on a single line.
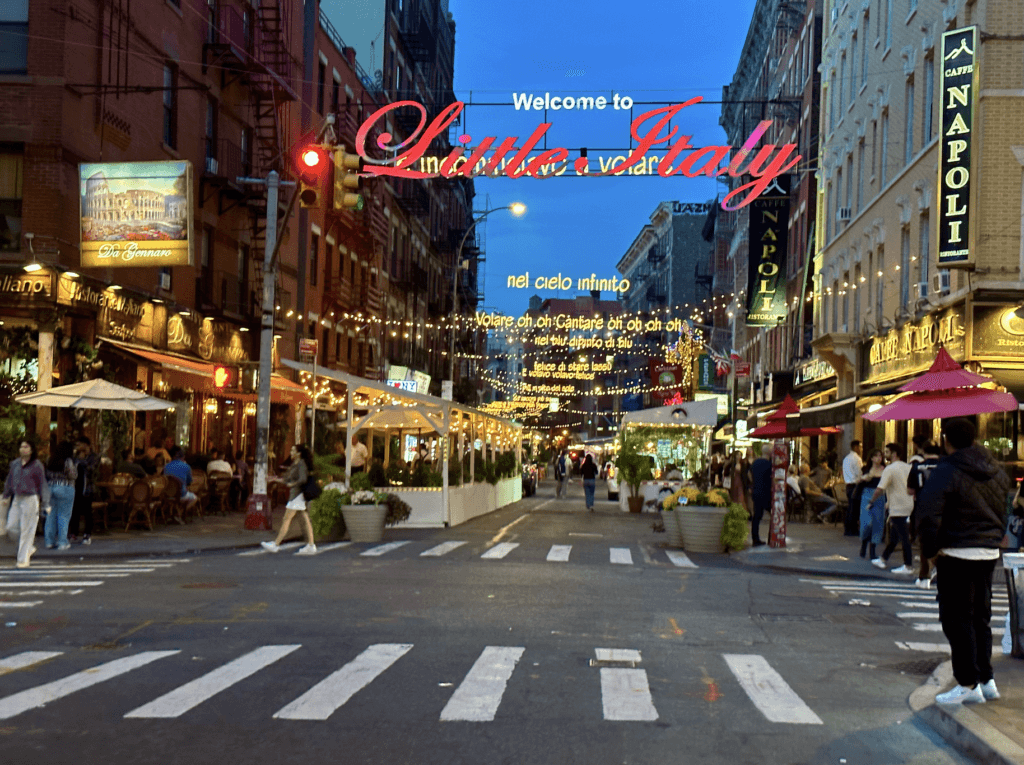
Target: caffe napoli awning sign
[(650, 130), (958, 87)]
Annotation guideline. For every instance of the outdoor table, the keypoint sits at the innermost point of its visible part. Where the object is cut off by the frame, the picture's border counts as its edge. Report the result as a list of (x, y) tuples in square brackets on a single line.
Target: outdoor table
[(1013, 565)]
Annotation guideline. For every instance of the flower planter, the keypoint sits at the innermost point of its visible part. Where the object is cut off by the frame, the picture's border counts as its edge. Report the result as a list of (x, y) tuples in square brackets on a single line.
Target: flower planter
[(336, 534), (701, 528), (365, 523), (636, 504), (675, 536)]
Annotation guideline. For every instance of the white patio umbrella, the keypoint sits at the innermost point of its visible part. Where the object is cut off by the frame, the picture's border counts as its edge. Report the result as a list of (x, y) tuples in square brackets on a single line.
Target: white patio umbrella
[(95, 394)]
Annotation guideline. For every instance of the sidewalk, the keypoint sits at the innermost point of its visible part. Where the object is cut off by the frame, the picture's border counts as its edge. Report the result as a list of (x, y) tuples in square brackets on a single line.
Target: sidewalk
[(992, 732)]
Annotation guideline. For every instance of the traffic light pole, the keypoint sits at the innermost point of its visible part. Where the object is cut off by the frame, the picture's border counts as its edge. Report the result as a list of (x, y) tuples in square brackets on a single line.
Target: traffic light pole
[(258, 511)]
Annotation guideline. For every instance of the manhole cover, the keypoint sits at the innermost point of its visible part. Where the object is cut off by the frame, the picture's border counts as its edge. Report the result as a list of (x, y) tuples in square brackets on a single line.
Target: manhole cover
[(915, 667), (788, 617), (884, 620), (208, 586)]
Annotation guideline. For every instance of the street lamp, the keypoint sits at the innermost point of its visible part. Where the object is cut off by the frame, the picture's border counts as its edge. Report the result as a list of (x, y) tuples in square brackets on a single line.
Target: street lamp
[(518, 209)]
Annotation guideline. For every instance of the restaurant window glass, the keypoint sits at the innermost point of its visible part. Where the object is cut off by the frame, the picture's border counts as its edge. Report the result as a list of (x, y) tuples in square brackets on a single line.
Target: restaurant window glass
[(14, 34), (12, 166)]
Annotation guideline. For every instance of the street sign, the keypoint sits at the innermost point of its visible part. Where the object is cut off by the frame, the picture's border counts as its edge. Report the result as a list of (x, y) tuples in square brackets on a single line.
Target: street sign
[(743, 369), (307, 346)]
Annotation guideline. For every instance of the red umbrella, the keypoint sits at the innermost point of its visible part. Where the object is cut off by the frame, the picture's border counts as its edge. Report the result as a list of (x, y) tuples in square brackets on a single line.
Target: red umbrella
[(777, 429), (945, 374), (788, 406), (940, 404)]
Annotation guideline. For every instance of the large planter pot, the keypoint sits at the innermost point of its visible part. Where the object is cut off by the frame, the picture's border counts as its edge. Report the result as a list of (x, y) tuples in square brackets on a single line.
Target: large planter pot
[(336, 534), (675, 536), (701, 528), (365, 523), (636, 504)]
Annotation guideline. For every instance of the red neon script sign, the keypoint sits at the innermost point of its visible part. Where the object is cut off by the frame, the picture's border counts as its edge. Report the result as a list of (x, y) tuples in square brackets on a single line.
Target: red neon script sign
[(768, 163)]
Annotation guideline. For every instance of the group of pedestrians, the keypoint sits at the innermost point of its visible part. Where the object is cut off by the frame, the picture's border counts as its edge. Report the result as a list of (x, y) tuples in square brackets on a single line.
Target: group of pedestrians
[(953, 497), (588, 473)]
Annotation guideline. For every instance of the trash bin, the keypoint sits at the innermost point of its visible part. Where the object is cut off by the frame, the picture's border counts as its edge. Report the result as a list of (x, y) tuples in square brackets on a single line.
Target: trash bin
[(1013, 564)]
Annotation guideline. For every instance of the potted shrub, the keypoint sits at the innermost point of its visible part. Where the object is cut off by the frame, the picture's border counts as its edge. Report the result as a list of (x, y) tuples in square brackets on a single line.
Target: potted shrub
[(701, 518), (634, 469), (734, 529), (326, 517), (364, 510)]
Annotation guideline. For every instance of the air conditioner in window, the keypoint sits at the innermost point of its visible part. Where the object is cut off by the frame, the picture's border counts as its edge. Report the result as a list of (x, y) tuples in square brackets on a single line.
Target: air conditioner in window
[(941, 281), (922, 290), (843, 214), (211, 165), (165, 281)]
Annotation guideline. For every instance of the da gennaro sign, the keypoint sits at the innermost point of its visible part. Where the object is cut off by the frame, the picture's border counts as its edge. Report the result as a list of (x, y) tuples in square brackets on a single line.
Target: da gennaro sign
[(958, 89), (136, 214)]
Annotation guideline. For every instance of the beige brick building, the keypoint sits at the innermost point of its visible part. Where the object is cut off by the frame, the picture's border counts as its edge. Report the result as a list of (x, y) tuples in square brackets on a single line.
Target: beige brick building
[(882, 305)]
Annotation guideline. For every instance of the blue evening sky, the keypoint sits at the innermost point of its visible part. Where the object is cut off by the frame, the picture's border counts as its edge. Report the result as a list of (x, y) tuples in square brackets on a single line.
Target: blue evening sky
[(661, 50)]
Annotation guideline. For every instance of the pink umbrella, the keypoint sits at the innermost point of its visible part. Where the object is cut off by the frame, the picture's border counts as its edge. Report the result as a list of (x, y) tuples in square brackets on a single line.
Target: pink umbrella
[(944, 374), (940, 404)]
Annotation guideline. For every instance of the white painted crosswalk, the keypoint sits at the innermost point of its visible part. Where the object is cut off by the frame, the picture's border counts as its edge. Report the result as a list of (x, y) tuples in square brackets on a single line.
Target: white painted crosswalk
[(22, 588), (862, 593), (625, 692)]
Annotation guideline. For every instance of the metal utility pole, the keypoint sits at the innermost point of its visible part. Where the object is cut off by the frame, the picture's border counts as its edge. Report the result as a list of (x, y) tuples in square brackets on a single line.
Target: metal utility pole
[(258, 511)]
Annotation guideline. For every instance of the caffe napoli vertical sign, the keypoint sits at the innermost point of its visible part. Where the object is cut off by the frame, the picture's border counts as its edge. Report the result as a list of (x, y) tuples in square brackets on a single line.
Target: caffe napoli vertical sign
[(769, 240), (958, 87), (136, 214)]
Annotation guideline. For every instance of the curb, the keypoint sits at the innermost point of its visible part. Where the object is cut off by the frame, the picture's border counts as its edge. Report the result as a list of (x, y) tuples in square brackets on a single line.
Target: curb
[(747, 560), (961, 727)]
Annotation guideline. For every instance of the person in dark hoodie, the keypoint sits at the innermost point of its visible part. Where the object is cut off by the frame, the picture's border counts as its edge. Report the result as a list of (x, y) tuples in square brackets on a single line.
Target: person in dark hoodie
[(961, 517)]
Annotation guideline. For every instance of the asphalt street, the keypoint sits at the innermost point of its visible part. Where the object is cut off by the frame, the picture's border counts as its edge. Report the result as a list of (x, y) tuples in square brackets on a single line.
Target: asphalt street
[(545, 635)]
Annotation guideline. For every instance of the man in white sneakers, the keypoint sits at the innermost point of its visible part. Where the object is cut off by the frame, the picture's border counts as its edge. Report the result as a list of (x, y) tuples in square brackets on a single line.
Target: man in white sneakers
[(961, 518), (894, 484)]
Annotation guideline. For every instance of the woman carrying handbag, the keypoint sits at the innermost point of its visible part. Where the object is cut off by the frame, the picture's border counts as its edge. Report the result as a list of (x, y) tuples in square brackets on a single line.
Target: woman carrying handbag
[(25, 492), (299, 471)]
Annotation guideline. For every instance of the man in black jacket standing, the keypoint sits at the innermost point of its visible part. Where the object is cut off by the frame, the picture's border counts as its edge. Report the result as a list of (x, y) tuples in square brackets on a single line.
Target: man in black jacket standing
[(961, 518)]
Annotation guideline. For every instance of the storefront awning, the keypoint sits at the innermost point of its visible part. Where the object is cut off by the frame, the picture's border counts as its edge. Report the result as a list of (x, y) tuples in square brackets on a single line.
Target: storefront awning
[(832, 413)]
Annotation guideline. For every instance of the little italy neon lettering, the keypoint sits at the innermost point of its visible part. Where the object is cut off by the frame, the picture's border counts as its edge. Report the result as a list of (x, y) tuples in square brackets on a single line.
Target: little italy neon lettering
[(768, 163)]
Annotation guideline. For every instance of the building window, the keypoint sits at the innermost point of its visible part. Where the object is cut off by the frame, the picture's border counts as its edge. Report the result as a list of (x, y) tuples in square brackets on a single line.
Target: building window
[(835, 306), (245, 150), (828, 212), (888, 24), (14, 33), (905, 267), (874, 146), (885, 146), (839, 199), (321, 77), (842, 81), (335, 94), (880, 288), (849, 183), (924, 253), (860, 174), (12, 170), (855, 286), (329, 276), (314, 258), (832, 102), (853, 67), (908, 131), (864, 55), (171, 105), (846, 302), (211, 129), (928, 127)]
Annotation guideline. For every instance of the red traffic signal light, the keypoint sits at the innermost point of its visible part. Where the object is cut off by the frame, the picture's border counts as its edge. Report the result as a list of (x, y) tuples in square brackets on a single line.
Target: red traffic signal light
[(225, 377), (311, 165)]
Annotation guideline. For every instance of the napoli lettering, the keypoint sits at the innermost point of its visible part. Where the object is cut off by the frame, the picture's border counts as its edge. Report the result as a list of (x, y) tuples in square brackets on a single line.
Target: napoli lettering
[(767, 164)]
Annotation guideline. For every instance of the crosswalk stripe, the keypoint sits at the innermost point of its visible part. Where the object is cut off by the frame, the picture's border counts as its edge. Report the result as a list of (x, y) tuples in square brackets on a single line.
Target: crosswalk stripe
[(26, 659), (191, 695), (32, 698), (384, 548), (925, 647), (19, 603), (626, 695), (1001, 607), (500, 550), (559, 553), (51, 573), (6, 585), (768, 691), (680, 559), (320, 549), (442, 549), (620, 555), (997, 614), (617, 654), (26, 593), (262, 551), (41, 566), (479, 694), (324, 698)]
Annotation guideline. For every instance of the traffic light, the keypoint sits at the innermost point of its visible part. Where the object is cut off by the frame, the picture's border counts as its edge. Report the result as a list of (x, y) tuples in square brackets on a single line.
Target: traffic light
[(312, 170), (347, 181), (225, 377)]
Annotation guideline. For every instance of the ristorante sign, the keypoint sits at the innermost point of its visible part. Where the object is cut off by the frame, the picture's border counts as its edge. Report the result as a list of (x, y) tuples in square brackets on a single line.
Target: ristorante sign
[(769, 240), (650, 130), (913, 347), (959, 93)]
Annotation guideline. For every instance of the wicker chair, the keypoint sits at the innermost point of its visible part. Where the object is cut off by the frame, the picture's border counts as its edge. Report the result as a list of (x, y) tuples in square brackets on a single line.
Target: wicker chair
[(140, 502), (219, 486), (117, 491), (171, 504), (201, 488), (157, 483)]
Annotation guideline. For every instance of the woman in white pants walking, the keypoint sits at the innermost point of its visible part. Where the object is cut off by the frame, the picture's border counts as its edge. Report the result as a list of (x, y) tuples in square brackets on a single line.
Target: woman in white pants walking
[(27, 491)]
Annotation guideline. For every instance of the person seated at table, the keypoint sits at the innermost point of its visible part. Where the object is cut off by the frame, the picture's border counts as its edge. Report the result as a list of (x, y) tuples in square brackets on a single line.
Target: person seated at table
[(157, 450), (218, 464), (672, 473), (240, 481), (813, 494), (179, 469), (793, 482), (127, 465)]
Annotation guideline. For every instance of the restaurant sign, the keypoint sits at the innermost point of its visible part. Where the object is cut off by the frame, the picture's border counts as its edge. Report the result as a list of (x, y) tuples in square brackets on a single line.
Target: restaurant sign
[(913, 347), (959, 94), (812, 371), (996, 332), (769, 240), (136, 214)]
